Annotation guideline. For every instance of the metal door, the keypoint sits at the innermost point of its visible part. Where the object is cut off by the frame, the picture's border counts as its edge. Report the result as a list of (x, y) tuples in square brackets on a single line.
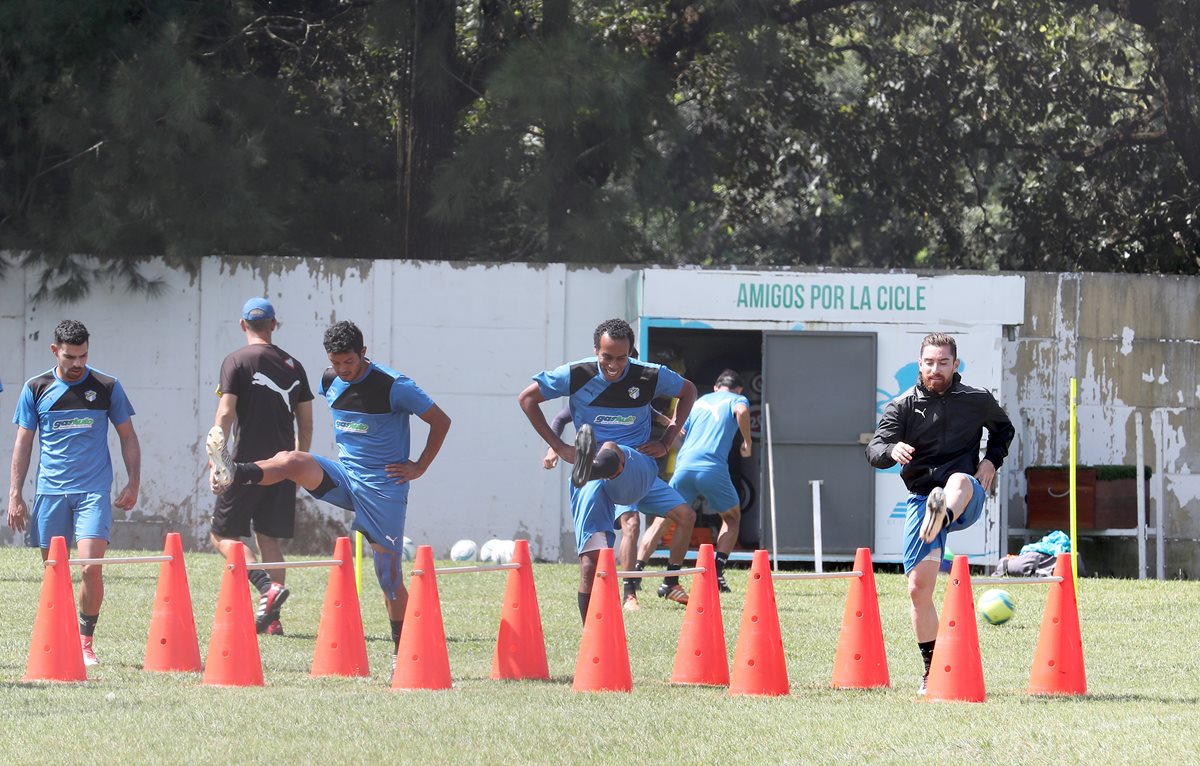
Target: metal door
[(821, 392)]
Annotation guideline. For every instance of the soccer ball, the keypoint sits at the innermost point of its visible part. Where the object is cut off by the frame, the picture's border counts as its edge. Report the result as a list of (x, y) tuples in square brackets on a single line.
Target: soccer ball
[(996, 606), (504, 551), (463, 550), (409, 549), (490, 549)]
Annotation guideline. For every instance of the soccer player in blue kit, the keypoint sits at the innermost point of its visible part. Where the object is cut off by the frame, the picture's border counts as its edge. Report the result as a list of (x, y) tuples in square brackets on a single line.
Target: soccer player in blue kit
[(702, 465), (69, 407), (371, 406), (613, 458)]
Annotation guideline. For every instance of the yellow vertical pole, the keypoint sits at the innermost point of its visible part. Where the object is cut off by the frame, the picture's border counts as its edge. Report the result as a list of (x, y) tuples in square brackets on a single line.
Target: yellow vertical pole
[(1074, 459), (358, 556)]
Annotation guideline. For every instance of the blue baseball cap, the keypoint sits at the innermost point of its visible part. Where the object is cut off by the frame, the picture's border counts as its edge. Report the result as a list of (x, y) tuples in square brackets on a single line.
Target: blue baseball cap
[(258, 308)]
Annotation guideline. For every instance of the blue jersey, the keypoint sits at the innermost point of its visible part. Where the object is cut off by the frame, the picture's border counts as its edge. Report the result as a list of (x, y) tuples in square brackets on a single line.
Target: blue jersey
[(370, 422), (618, 411), (72, 424), (709, 430)]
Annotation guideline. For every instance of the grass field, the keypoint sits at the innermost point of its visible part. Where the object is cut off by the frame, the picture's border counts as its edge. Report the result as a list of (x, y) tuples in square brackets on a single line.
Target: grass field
[(1140, 646)]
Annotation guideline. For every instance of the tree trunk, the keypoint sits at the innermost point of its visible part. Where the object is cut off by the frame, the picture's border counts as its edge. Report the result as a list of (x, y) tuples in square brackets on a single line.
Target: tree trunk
[(425, 127)]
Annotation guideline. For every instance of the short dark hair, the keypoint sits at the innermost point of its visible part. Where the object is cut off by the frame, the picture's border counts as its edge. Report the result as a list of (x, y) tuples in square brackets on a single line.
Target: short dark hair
[(260, 325), (729, 379), (70, 331), (617, 329), (342, 337), (940, 339)]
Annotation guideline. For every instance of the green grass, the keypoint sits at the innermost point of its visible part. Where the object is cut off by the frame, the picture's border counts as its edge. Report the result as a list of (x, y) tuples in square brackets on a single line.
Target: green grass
[(1139, 645)]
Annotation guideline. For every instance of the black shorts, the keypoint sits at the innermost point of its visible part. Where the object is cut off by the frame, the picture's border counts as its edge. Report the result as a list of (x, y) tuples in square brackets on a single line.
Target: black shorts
[(271, 508)]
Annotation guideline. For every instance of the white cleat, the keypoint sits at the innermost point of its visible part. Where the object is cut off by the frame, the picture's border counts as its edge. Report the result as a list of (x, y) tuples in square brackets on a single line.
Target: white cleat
[(220, 475), (935, 515)]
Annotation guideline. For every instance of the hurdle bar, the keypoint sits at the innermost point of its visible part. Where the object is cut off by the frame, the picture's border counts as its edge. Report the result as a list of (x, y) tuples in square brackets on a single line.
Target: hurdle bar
[(1014, 580), (656, 573), (468, 570), (817, 575), (113, 560), (290, 564)]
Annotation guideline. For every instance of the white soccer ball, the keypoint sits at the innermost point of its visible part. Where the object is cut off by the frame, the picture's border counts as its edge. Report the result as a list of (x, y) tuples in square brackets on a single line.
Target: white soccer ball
[(463, 550), (490, 549), (504, 551), (409, 549)]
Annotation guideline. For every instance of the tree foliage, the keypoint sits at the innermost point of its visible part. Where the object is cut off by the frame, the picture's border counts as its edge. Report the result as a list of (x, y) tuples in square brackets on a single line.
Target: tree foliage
[(1011, 134)]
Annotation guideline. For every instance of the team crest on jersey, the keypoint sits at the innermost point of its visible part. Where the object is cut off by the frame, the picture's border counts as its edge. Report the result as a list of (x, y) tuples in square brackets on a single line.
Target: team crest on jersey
[(90, 395), (634, 392), (289, 362)]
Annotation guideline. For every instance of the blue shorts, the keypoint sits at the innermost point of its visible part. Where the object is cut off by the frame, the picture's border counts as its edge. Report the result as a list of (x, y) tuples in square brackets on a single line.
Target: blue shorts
[(915, 551), (595, 505), (81, 516), (713, 483), (377, 515)]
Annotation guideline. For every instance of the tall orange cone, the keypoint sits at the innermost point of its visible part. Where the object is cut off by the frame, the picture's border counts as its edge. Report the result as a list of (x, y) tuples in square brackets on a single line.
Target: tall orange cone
[(759, 666), (172, 644), (1058, 660), (701, 657), (341, 645), (422, 661), (603, 661), (520, 645), (956, 673), (54, 653), (861, 661), (233, 658)]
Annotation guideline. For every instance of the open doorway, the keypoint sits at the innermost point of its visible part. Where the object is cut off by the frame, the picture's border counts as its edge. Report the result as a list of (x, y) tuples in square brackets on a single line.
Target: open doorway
[(701, 355)]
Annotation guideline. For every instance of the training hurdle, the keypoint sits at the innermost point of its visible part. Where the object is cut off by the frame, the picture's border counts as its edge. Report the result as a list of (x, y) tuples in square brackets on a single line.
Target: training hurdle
[(422, 657), (233, 654), (603, 660), (956, 672), (861, 659), (54, 653)]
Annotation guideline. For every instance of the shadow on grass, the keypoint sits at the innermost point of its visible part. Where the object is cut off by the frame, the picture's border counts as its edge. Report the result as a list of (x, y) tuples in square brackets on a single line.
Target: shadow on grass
[(1117, 697)]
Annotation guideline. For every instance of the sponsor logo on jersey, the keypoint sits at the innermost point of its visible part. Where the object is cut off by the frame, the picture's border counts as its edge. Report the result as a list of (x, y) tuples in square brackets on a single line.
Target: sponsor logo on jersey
[(72, 424), (634, 391), (350, 426), (90, 395), (615, 420)]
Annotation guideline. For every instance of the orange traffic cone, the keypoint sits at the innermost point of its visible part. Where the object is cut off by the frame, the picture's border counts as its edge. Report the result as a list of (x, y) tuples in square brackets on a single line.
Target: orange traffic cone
[(341, 646), (759, 666), (520, 646), (54, 653), (1058, 660), (421, 659), (861, 661), (603, 661), (172, 643), (701, 657), (956, 673), (233, 658)]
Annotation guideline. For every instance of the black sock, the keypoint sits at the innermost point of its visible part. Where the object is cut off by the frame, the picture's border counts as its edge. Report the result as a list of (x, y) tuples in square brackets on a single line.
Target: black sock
[(247, 473), (671, 568), (639, 566), (260, 580), (606, 464), (631, 586), (722, 559), (584, 599), (926, 648), (87, 623), (397, 627)]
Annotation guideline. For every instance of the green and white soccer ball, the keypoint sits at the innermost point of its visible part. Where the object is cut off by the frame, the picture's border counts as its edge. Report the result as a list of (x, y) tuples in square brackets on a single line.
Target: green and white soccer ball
[(996, 606), (463, 550)]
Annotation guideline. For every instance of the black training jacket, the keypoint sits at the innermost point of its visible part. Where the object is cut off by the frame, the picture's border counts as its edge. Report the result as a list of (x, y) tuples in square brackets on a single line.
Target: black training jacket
[(944, 430)]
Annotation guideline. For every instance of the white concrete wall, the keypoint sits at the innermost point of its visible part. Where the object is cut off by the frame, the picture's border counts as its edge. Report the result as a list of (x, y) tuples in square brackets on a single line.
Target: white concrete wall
[(471, 336)]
